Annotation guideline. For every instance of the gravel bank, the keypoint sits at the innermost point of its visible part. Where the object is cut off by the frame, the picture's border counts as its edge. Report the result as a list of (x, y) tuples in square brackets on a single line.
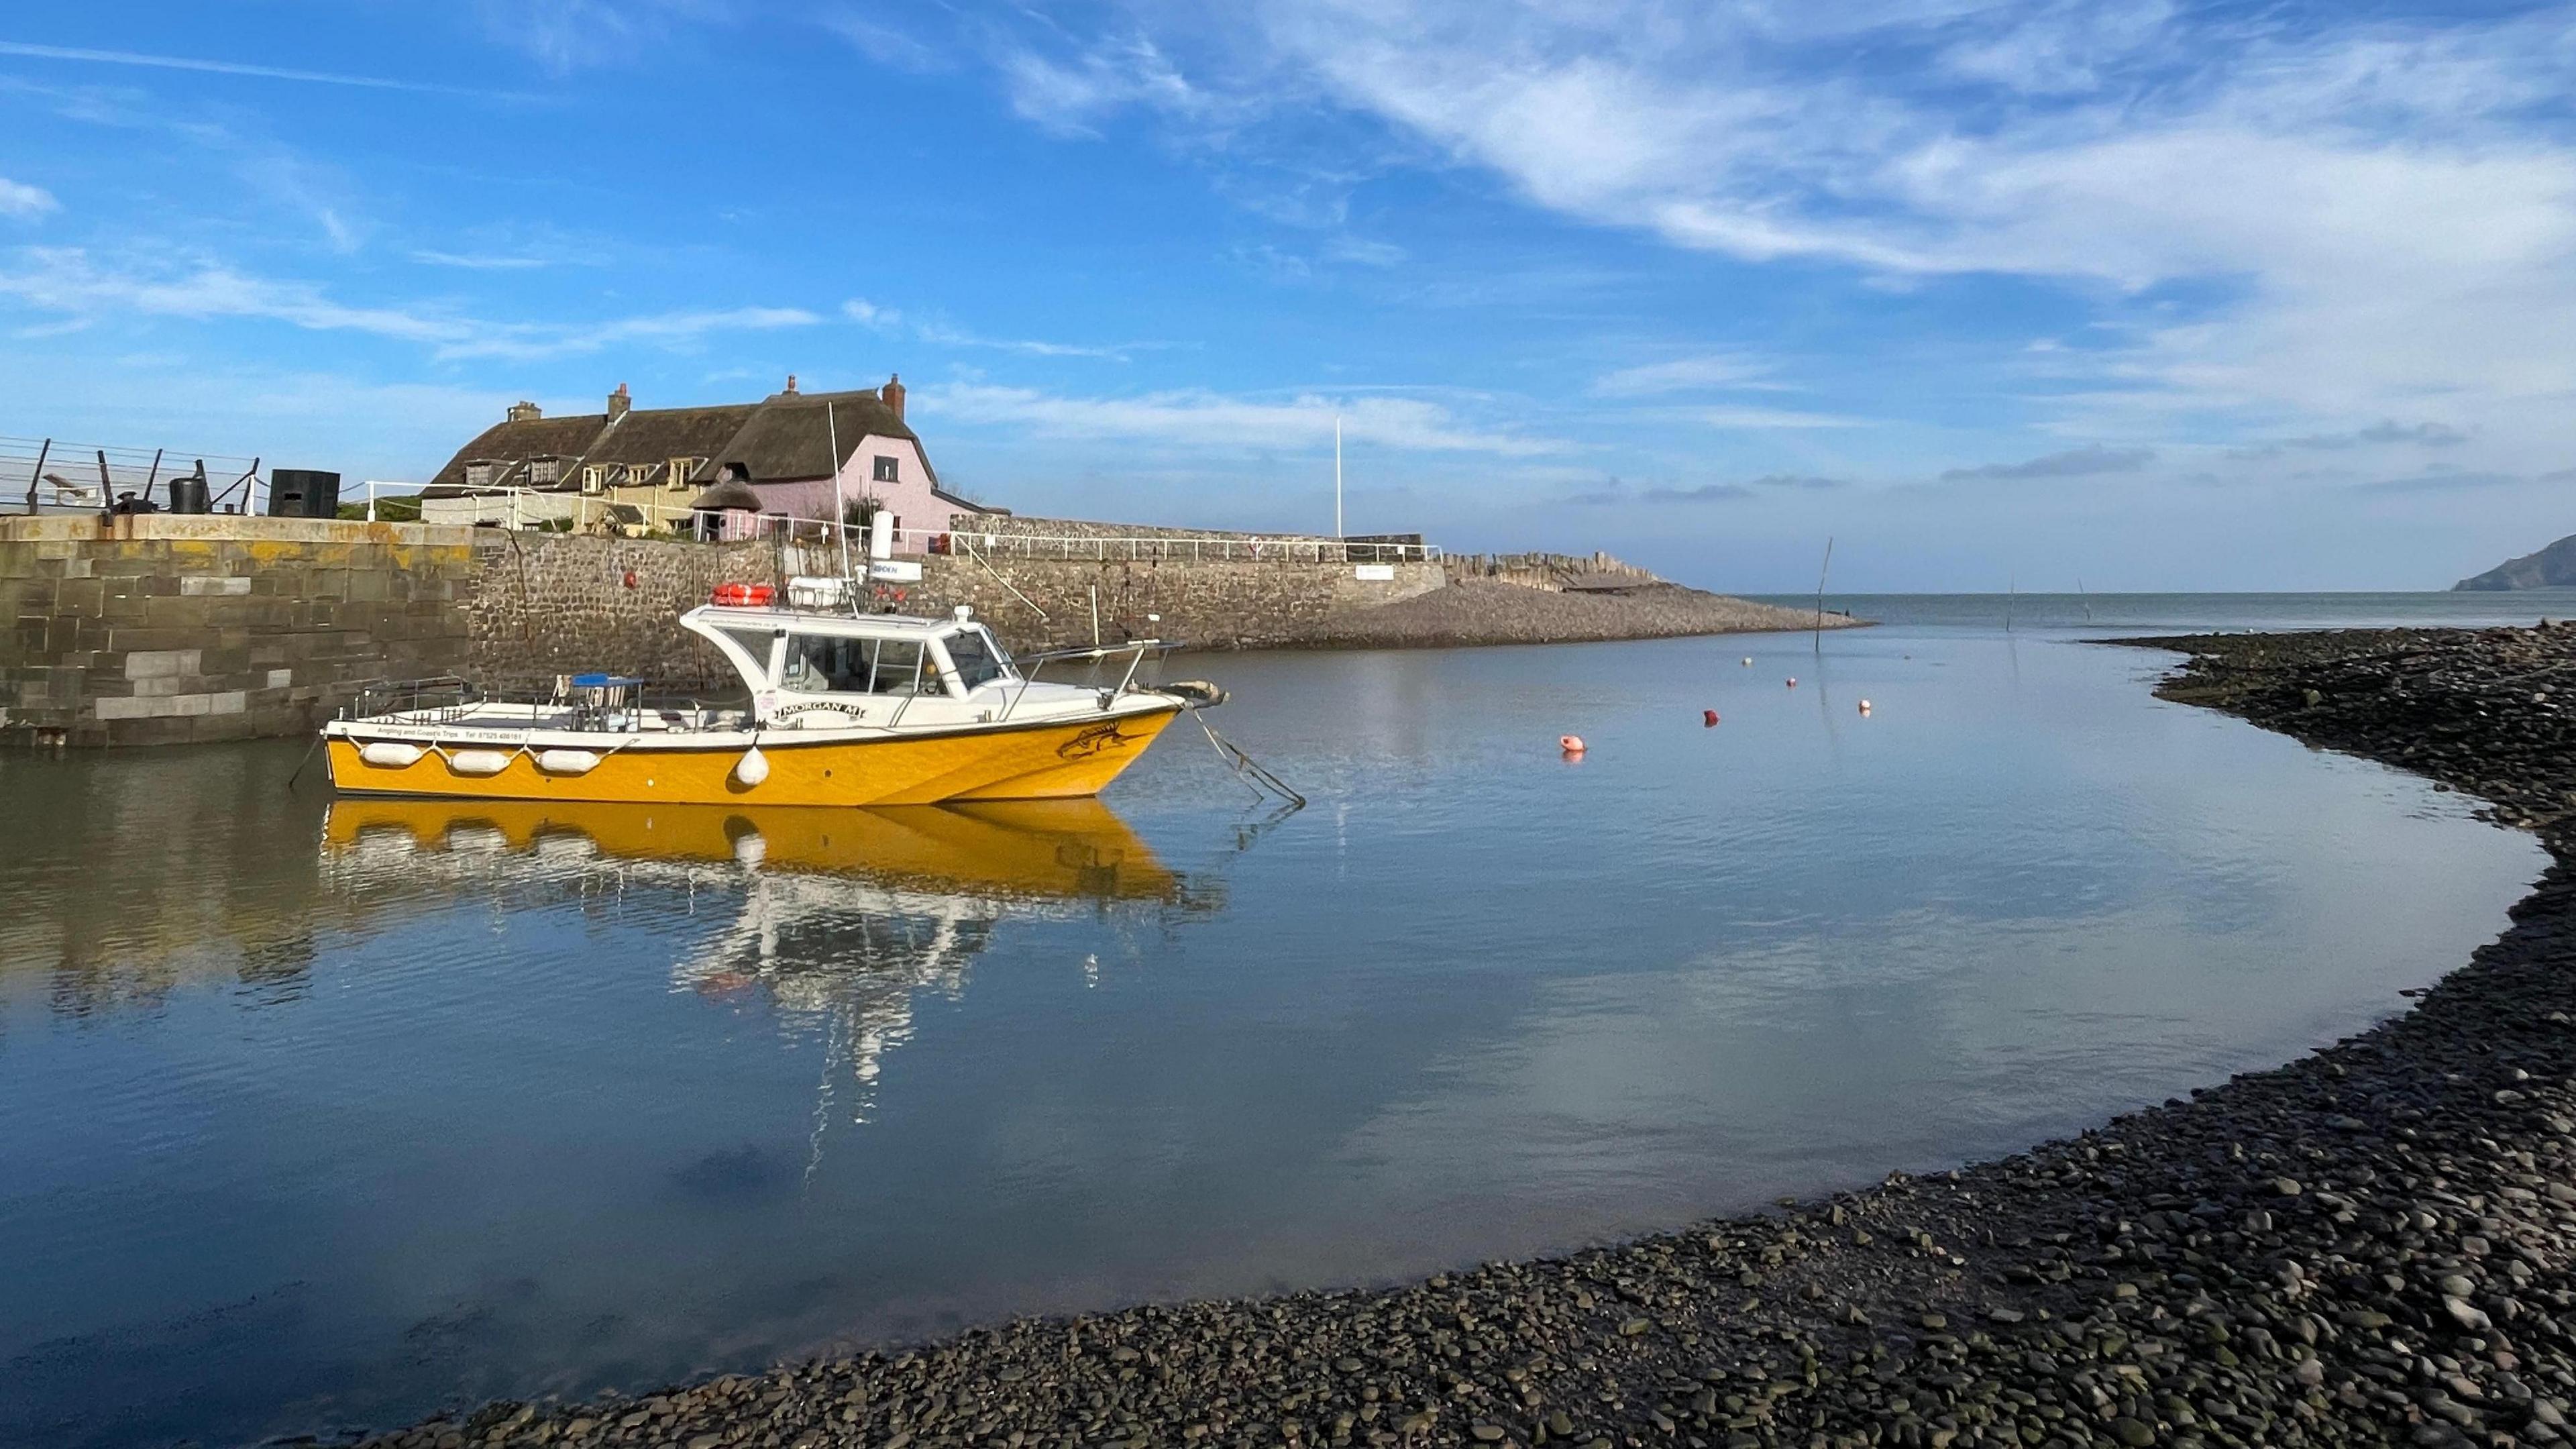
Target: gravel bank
[(1483, 611), (2371, 1245)]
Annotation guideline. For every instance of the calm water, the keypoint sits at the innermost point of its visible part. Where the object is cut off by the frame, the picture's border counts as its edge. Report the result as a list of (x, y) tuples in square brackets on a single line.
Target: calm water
[(319, 1114)]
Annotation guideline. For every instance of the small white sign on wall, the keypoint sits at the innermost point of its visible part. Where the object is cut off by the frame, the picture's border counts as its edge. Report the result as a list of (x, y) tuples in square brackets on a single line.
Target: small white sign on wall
[(1373, 573)]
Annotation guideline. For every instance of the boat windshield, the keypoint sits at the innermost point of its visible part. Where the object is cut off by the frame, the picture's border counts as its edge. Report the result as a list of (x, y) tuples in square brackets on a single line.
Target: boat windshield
[(826, 664), (977, 657)]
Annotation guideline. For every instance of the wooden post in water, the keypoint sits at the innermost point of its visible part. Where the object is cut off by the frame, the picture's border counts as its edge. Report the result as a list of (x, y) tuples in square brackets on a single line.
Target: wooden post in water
[(2010, 589), (1820, 593)]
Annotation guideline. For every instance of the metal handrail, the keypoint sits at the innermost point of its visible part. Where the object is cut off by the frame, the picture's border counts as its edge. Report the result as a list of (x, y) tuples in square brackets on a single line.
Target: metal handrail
[(994, 543)]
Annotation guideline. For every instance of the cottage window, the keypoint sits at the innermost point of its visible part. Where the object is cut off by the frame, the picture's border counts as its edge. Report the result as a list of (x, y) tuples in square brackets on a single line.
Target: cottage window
[(885, 469), (544, 472), (594, 477), (681, 468), (478, 474)]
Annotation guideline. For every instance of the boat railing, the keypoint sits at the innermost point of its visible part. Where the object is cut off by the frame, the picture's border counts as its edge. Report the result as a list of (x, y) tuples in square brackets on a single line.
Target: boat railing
[(617, 708), (1134, 651)]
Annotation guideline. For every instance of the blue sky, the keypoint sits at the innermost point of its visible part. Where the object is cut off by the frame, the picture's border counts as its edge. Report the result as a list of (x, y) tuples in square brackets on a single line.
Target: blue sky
[(2161, 296)]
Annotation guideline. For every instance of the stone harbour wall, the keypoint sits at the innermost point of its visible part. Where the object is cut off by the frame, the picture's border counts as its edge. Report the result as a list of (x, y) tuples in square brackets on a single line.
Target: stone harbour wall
[(159, 629), (542, 604), (1241, 604)]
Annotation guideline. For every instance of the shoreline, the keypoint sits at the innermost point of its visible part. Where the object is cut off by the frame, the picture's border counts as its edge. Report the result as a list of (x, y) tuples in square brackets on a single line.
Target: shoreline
[(2369, 1245), (1477, 613)]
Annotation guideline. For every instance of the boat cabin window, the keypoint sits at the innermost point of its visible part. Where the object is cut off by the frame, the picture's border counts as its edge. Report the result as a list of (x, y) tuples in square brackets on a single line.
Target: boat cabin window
[(976, 659), (823, 664), (755, 643)]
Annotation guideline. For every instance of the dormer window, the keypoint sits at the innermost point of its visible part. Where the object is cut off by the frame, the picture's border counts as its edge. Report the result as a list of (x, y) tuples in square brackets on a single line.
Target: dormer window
[(681, 468), (545, 472), (594, 477), (481, 471)]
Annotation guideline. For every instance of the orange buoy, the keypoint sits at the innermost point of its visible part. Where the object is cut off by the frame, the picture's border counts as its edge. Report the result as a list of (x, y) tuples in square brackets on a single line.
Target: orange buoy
[(1707, 717), (1571, 744)]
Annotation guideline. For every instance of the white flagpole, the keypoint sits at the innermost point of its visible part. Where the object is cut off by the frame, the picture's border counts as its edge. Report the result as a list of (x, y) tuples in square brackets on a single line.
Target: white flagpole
[(1337, 475), (840, 502)]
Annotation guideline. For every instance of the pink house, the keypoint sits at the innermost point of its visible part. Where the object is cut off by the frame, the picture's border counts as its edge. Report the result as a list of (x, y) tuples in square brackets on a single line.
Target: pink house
[(800, 454)]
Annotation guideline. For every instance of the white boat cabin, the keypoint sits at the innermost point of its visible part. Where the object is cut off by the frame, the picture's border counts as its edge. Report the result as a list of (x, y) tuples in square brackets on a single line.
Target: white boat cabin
[(820, 670)]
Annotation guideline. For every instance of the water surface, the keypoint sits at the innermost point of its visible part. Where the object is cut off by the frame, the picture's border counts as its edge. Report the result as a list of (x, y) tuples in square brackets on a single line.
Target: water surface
[(323, 1114)]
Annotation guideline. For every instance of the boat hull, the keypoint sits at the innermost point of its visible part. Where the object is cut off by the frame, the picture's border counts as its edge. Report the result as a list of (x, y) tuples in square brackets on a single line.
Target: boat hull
[(1065, 759)]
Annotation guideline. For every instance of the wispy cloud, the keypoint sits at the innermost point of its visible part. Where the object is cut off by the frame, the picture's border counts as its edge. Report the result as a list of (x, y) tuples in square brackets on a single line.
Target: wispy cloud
[(25, 202), (2438, 482), (1683, 374), (1201, 419), (883, 43), (2284, 164), (942, 334), (223, 67), (70, 281), (1763, 418), (1704, 493), (2081, 462), (478, 261), (569, 35), (2381, 434)]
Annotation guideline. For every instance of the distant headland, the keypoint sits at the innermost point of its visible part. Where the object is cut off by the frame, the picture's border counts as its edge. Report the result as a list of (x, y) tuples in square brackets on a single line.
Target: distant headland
[(2553, 567)]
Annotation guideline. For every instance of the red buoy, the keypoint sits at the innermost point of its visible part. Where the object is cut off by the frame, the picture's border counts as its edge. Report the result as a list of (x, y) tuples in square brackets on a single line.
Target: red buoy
[(1707, 718), (1571, 744)]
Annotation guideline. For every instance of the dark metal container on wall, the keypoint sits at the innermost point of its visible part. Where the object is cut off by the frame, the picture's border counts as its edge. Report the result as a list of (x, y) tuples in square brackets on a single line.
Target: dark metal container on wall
[(303, 493), (190, 495)]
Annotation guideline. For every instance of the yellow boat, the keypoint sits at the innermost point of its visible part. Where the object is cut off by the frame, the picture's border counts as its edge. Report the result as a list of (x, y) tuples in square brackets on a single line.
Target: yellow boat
[(845, 709), (1032, 849)]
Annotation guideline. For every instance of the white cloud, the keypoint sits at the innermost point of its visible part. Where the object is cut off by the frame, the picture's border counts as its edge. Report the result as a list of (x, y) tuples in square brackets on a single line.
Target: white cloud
[(1682, 374), (1775, 418), (478, 261), (2380, 213), (883, 43), (568, 35), (1068, 94), (2085, 462), (215, 67), (869, 314), (70, 281), (25, 202), (940, 334), (1199, 419)]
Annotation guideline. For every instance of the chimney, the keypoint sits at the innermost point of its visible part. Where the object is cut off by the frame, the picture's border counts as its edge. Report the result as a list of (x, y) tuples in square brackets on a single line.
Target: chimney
[(618, 403), (892, 392), (523, 411), (791, 384)]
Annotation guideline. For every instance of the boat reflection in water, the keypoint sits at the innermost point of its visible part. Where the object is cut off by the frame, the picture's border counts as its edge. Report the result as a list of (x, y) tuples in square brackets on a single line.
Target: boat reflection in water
[(841, 916)]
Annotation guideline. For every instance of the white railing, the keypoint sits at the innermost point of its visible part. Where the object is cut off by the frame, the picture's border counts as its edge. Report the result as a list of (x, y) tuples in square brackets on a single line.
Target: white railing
[(51, 475), (1143, 547), (582, 512)]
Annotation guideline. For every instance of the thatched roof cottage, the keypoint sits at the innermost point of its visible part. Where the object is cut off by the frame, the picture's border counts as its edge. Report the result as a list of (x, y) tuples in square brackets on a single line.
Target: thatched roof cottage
[(796, 452)]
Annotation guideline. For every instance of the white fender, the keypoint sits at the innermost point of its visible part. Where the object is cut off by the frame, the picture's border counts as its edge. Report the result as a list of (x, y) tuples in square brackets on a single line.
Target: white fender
[(478, 762), (390, 755), (568, 762), (753, 767)]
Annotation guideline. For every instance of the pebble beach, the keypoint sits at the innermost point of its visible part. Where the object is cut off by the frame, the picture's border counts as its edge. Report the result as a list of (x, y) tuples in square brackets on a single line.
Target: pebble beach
[(2370, 1245)]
